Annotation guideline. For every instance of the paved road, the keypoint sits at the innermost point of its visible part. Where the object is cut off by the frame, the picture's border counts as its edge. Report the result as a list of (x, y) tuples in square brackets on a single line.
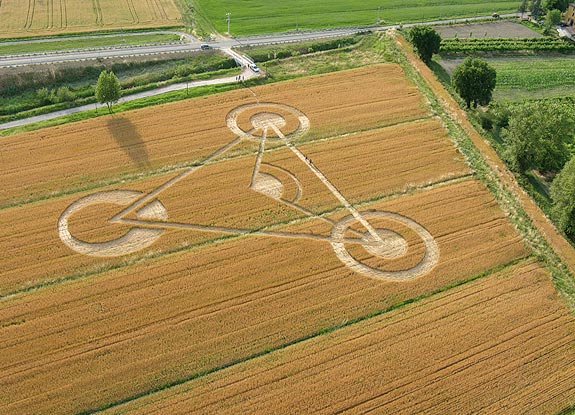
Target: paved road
[(246, 73), (194, 44)]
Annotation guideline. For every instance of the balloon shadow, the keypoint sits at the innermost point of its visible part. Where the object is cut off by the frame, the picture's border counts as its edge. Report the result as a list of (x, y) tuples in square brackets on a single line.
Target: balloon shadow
[(129, 140)]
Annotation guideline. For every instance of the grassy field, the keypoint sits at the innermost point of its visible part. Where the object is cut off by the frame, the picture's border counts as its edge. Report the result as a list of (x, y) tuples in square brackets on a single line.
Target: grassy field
[(258, 16), (534, 77), (8, 48), (38, 17)]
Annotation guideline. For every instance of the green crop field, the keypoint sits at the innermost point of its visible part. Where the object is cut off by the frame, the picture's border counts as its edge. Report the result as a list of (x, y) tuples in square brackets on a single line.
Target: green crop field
[(91, 42), (259, 16), (528, 77), (534, 77)]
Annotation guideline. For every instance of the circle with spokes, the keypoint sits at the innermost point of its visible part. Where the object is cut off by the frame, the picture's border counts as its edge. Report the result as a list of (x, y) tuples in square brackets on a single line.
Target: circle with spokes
[(389, 245), (270, 116)]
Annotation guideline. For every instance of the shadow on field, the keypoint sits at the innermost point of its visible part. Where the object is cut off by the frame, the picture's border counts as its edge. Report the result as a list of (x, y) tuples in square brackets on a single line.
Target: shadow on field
[(129, 140)]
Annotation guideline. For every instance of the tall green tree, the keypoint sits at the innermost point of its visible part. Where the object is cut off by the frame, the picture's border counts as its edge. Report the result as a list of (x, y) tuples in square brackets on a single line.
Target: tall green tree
[(108, 89), (539, 135), (425, 40), (536, 9), (522, 7), (563, 195), (474, 80), (560, 5), (552, 18)]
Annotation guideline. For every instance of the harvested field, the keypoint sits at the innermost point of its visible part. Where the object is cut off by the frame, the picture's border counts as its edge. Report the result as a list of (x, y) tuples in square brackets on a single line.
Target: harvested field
[(233, 298), (90, 153), (504, 344), (68, 16), (250, 227)]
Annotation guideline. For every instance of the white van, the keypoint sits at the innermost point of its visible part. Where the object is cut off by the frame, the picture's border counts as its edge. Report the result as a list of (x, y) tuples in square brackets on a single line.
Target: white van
[(254, 67)]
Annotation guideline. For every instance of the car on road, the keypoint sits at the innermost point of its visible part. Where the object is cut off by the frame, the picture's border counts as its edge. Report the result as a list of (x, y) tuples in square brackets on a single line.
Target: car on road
[(205, 46), (495, 15), (254, 67)]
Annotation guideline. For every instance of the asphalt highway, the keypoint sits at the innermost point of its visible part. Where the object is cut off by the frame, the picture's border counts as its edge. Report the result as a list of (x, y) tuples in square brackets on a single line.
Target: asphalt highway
[(192, 44)]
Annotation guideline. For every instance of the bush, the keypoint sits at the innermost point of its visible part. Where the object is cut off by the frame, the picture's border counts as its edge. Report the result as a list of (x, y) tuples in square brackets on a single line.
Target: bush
[(63, 94)]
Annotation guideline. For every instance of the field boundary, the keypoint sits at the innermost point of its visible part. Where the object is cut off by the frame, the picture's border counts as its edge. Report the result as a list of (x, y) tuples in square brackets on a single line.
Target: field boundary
[(529, 219), (320, 332)]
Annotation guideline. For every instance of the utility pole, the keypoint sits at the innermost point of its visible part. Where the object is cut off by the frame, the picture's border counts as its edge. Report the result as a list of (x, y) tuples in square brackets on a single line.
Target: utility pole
[(378, 14), (296, 25), (228, 15)]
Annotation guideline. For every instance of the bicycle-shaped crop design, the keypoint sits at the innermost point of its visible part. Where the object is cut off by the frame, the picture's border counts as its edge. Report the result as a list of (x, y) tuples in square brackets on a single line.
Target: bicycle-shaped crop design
[(266, 124)]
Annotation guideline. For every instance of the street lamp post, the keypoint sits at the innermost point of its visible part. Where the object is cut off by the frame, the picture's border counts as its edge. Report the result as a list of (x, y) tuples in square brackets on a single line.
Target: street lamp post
[(228, 18)]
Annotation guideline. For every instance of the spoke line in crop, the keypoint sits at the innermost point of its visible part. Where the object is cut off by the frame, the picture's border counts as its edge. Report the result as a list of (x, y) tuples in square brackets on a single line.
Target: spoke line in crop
[(329, 185), (234, 231), (259, 157), (171, 182)]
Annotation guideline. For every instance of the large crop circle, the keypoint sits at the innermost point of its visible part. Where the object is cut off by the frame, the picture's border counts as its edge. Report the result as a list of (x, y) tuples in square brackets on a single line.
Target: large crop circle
[(133, 240), (251, 120), (389, 245)]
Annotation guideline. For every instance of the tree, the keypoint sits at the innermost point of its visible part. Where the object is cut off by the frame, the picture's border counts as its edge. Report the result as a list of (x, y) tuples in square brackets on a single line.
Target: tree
[(553, 18), (560, 5), (563, 195), (523, 7), (425, 40), (474, 80), (536, 9), (539, 135), (108, 89)]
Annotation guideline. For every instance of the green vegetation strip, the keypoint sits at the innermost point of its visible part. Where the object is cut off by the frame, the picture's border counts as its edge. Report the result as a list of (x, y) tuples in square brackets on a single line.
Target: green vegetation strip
[(455, 45), (507, 199), (261, 16), (125, 106), (533, 73), (85, 43), (321, 332)]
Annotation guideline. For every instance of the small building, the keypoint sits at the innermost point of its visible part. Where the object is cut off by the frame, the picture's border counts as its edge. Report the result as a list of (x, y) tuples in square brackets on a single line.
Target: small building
[(569, 15)]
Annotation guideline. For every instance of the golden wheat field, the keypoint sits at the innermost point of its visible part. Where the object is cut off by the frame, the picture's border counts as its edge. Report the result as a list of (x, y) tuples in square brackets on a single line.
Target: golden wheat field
[(322, 247), (37, 17)]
